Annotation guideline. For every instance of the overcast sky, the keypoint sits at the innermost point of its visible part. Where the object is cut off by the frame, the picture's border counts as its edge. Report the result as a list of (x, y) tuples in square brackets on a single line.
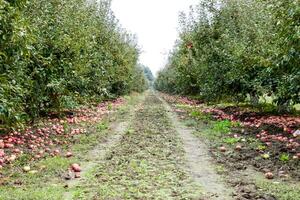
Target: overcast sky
[(155, 23)]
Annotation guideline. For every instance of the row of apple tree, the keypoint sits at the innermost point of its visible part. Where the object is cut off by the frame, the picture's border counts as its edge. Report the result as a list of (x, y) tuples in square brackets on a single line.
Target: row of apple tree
[(237, 51)]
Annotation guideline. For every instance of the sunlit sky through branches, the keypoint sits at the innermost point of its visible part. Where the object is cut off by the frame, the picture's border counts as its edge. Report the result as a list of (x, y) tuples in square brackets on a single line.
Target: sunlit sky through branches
[(155, 22)]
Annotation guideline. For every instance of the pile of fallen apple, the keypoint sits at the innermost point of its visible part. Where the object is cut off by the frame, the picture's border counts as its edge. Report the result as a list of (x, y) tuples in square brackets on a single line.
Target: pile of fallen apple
[(46, 139), (288, 138)]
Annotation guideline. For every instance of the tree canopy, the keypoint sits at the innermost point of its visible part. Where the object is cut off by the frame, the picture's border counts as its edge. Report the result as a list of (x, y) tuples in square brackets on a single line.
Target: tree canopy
[(56, 54)]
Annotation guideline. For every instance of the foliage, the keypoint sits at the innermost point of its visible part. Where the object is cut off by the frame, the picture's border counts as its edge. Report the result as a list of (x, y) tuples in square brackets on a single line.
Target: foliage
[(237, 50), (57, 54), (149, 75), (139, 80)]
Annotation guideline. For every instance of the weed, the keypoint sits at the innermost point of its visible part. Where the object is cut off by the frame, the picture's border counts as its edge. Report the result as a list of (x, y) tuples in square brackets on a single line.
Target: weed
[(231, 141), (200, 115), (102, 126), (261, 147), (109, 106), (284, 157), (195, 113), (222, 126)]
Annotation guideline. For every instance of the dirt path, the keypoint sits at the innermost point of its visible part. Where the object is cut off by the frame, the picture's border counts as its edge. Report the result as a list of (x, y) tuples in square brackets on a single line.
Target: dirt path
[(149, 161), (199, 162), (145, 163)]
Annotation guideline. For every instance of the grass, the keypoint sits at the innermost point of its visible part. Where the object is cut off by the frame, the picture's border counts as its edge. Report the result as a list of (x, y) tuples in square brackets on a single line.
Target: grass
[(220, 169), (32, 193), (281, 190), (102, 126), (45, 184), (190, 122)]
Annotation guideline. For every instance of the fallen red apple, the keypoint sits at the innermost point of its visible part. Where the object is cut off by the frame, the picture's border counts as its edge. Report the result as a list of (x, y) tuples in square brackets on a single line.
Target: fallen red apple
[(2, 153), (222, 149), (269, 175), (75, 167), (264, 139), (238, 147), (269, 144), (8, 145), (69, 154), (56, 152), (17, 151)]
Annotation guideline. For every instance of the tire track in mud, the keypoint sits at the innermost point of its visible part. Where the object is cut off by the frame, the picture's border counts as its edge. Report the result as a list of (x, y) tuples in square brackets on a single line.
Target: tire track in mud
[(198, 162), (98, 153)]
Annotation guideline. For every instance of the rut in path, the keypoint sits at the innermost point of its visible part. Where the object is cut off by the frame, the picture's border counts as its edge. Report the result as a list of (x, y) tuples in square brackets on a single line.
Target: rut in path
[(199, 162), (96, 155)]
